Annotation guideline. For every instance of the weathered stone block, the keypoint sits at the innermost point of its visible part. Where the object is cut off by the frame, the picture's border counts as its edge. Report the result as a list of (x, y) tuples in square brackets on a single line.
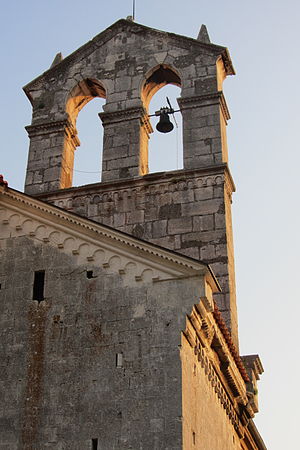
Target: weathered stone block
[(180, 226), (199, 160), (218, 192), (204, 193), (51, 174), (167, 242), (201, 207), (38, 177), (134, 217), (208, 252), (192, 252), (119, 219), (221, 250), (151, 213), (220, 220), (121, 163), (183, 196), (218, 158), (170, 211), (203, 223), (159, 228)]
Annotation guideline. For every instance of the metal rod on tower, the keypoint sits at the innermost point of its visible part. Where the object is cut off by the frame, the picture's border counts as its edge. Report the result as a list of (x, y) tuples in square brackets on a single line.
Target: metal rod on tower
[(133, 10)]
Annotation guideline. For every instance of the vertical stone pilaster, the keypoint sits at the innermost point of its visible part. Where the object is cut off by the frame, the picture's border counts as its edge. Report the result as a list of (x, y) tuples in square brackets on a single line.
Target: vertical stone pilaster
[(125, 145), (204, 130), (226, 274), (51, 156)]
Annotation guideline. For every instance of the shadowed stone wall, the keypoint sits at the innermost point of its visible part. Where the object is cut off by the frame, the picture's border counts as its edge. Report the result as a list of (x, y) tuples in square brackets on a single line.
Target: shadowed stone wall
[(62, 386)]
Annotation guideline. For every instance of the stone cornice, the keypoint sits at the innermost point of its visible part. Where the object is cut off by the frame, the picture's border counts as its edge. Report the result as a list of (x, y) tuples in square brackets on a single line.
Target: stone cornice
[(212, 98), (202, 334), (36, 213), (207, 334), (50, 127), (120, 116), (63, 126), (196, 101), (182, 177)]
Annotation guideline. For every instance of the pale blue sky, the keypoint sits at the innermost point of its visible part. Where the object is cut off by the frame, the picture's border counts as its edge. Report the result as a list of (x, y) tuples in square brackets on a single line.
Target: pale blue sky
[(263, 98)]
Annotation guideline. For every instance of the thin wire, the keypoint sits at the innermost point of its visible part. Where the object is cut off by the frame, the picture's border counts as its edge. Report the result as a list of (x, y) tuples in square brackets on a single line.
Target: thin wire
[(84, 171), (177, 146)]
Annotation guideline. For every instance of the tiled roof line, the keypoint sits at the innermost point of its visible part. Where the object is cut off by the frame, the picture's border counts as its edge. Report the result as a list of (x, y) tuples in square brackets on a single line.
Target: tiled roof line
[(3, 182), (224, 330)]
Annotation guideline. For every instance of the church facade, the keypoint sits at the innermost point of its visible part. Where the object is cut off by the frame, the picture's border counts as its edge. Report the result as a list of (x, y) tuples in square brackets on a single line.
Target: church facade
[(119, 318)]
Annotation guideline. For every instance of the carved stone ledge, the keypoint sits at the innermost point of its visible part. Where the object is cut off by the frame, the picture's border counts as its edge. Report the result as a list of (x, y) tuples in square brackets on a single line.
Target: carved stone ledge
[(254, 369), (197, 101), (51, 127), (121, 116), (200, 352), (207, 334), (213, 98)]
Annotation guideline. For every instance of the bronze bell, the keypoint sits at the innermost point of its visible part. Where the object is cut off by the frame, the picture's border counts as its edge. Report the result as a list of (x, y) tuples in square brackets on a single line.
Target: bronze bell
[(164, 125)]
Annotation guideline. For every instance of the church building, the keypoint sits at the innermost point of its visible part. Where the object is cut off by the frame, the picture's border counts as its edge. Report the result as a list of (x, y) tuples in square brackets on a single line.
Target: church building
[(118, 307)]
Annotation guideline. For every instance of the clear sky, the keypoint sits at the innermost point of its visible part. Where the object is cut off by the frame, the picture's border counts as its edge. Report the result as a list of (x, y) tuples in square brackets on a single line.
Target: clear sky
[(263, 137)]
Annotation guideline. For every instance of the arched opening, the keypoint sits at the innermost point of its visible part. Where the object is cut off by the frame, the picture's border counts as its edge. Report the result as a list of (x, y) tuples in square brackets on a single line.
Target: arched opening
[(86, 166), (88, 157), (165, 151)]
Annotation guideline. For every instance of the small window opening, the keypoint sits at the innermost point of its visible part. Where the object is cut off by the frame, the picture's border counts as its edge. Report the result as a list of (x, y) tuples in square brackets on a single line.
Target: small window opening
[(95, 444), (194, 438), (38, 285), (119, 360), (89, 274), (165, 150)]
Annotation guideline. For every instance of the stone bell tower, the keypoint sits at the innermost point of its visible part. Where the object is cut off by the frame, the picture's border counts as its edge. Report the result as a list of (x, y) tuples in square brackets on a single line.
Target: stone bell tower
[(188, 210)]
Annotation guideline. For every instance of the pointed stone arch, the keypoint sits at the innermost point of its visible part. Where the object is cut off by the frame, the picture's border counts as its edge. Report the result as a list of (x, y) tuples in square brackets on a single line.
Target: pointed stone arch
[(158, 77), (82, 93)]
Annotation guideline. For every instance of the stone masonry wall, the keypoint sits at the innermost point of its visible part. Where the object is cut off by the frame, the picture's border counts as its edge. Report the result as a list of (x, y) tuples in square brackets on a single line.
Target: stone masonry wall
[(205, 430), (183, 211), (60, 384)]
